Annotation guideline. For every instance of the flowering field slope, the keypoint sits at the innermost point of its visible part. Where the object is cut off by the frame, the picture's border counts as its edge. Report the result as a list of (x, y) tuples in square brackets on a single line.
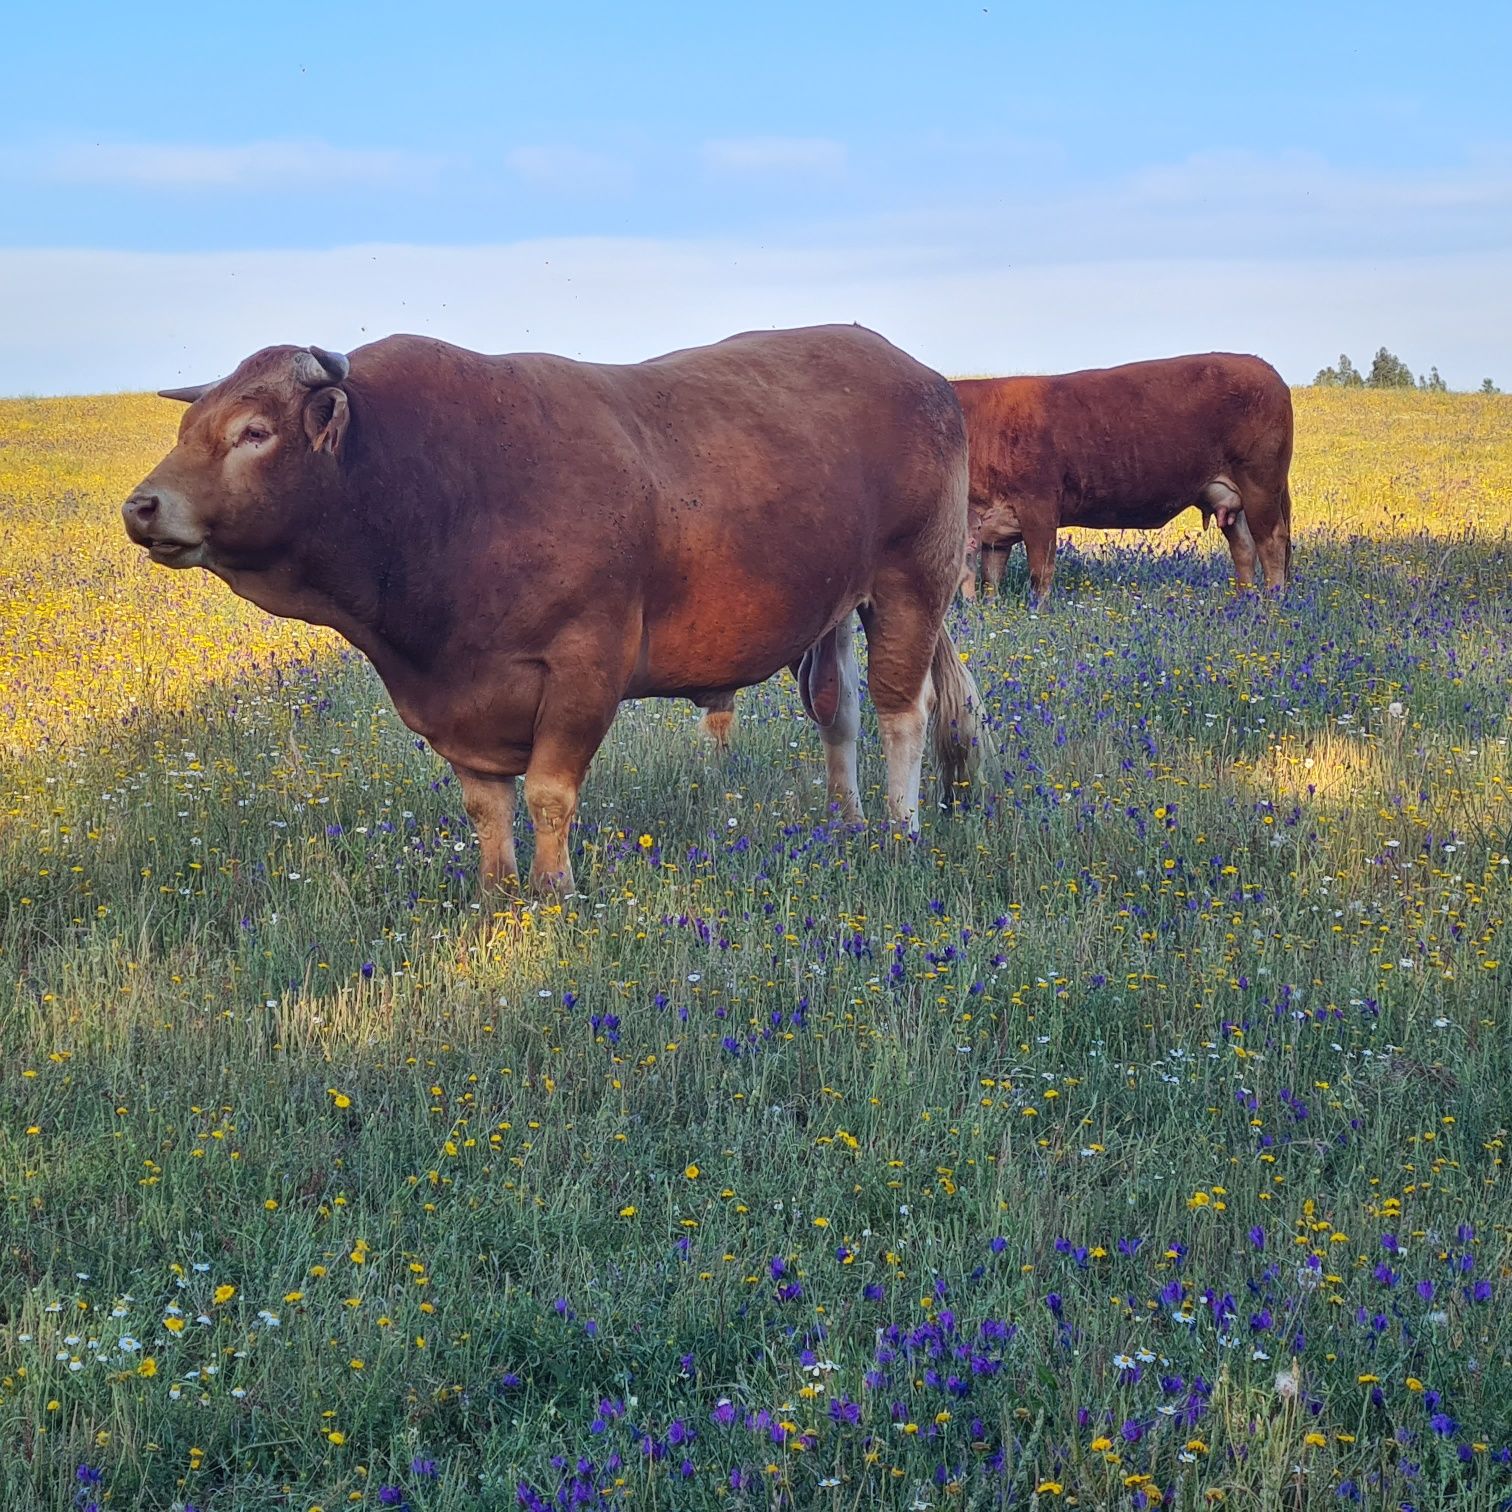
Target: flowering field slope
[(1137, 1138)]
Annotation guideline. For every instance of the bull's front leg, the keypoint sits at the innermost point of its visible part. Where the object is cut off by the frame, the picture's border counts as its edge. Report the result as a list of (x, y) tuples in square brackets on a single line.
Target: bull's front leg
[(1039, 545), (574, 717), (490, 804), (551, 793)]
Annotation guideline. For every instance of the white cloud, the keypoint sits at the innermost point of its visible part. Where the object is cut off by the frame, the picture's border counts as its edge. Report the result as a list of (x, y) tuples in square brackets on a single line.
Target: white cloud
[(260, 165), (810, 156), (570, 170), (76, 321), (1261, 183), (1219, 207)]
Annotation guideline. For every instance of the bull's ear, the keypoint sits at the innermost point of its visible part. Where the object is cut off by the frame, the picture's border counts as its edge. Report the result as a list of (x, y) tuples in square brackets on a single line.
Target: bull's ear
[(326, 413)]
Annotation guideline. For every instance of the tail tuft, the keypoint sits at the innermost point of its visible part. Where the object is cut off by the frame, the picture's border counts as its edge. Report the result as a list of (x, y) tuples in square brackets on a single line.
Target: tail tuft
[(962, 742)]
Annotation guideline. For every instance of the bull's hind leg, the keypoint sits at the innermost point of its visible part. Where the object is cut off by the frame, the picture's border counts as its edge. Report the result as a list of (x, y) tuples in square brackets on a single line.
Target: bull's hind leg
[(901, 630), (718, 719), (830, 685), (1222, 500), (1039, 547), (1241, 546), (971, 567), (1268, 511)]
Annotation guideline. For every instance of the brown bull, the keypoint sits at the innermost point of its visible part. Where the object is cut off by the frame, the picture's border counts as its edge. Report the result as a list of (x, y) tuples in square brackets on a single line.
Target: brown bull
[(744, 500), (1126, 448)]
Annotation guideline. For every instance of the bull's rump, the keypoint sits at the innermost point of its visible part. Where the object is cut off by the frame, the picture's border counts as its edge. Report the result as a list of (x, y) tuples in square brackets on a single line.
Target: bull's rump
[(1123, 447), (714, 510)]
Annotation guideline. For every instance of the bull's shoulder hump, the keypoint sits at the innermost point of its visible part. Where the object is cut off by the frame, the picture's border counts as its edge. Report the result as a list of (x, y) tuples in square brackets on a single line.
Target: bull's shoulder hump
[(405, 346), (431, 367)]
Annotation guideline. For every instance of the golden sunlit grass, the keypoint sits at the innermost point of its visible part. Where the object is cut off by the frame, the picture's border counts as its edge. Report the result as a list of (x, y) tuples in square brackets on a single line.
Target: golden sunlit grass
[(89, 630), (1384, 462)]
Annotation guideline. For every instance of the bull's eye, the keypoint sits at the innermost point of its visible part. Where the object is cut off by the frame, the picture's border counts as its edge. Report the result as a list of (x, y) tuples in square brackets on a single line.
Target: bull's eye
[(254, 435)]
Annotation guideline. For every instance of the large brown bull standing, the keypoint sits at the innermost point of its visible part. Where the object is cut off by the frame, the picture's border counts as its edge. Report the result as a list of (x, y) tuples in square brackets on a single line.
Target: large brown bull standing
[(1129, 448), (740, 502)]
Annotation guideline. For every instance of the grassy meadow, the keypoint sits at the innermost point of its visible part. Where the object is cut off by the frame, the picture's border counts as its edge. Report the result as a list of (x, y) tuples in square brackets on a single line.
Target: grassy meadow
[(1138, 1138)]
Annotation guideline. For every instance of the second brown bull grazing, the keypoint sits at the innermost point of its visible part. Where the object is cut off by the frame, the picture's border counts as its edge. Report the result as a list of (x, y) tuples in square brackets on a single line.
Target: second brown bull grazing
[(520, 543), (1130, 447)]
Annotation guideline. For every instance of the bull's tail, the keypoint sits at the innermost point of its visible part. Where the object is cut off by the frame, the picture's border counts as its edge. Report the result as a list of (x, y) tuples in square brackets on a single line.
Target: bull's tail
[(1284, 508), (962, 742)]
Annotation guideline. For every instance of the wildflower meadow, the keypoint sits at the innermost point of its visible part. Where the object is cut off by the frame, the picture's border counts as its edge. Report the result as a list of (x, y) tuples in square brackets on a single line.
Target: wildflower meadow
[(1137, 1137)]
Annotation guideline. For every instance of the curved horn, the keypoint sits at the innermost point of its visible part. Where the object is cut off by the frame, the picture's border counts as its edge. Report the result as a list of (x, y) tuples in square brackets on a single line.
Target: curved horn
[(315, 367), (186, 395), (335, 363)]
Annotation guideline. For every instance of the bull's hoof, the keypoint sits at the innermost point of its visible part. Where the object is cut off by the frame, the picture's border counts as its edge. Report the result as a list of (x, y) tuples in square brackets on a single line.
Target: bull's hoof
[(551, 886)]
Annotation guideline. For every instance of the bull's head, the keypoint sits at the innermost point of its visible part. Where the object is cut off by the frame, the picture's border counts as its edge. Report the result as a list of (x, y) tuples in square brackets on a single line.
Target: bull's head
[(250, 451)]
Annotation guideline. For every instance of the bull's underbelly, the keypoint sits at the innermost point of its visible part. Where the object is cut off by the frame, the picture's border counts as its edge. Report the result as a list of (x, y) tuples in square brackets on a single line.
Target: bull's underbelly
[(1103, 514), (738, 629), (1003, 521), (752, 638), (483, 709)]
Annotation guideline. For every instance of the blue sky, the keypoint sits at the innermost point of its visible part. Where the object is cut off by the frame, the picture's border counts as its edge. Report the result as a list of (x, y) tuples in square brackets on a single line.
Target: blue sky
[(999, 187)]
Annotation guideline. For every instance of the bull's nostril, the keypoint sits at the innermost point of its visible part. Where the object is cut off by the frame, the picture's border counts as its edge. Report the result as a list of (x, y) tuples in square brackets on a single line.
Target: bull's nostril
[(142, 507)]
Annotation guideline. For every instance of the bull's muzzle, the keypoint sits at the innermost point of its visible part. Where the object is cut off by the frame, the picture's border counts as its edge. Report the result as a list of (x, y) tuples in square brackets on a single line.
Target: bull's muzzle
[(139, 512), (142, 516)]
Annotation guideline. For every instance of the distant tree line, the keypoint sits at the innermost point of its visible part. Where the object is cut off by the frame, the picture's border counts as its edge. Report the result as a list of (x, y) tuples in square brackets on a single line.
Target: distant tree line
[(1387, 371)]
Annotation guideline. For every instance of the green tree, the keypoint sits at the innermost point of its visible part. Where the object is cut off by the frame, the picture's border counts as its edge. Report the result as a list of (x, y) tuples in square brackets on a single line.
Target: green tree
[(1388, 371), (1487, 387), (1345, 375), (1433, 383)]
